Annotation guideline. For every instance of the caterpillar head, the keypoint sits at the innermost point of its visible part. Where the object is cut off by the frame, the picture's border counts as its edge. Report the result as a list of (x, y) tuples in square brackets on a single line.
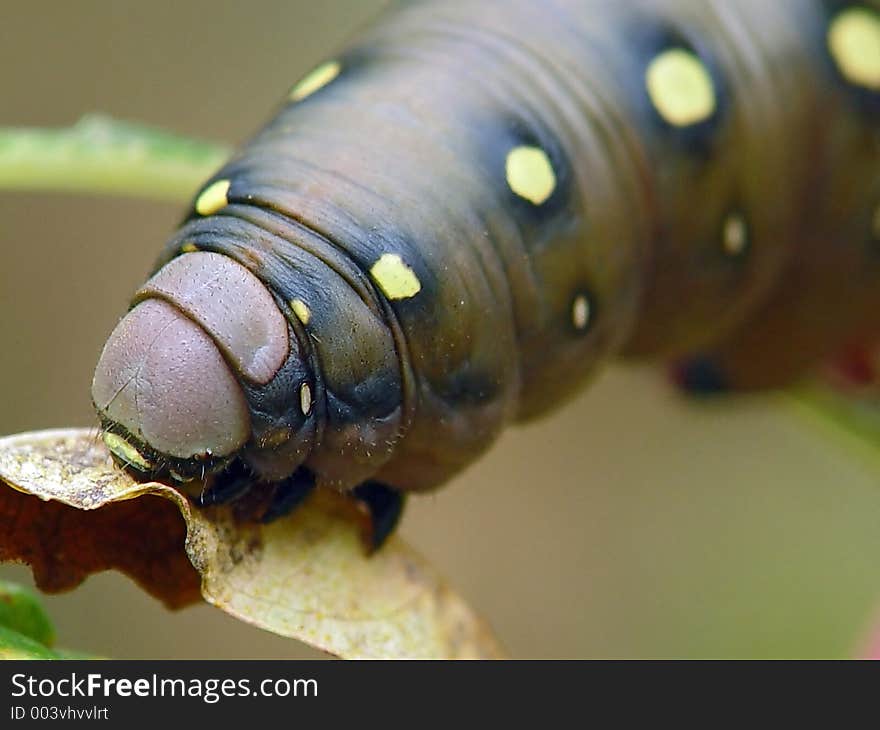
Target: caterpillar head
[(200, 372)]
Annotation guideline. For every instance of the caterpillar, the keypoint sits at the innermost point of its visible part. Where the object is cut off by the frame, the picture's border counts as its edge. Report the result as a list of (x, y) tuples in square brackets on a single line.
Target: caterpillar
[(450, 225)]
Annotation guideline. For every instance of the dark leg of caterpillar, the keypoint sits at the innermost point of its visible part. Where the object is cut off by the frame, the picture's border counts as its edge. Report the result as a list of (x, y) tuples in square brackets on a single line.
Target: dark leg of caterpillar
[(700, 376), (385, 505), (227, 486), (289, 494)]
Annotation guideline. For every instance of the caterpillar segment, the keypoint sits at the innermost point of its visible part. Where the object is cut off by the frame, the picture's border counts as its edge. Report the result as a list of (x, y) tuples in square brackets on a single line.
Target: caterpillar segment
[(826, 299)]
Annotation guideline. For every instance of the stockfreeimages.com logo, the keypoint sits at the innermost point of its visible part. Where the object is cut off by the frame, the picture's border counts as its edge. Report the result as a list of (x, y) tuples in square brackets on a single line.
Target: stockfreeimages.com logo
[(208, 690)]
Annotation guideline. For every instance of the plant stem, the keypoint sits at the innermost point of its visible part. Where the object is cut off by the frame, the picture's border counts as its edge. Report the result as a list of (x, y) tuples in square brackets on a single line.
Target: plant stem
[(850, 421), (102, 155)]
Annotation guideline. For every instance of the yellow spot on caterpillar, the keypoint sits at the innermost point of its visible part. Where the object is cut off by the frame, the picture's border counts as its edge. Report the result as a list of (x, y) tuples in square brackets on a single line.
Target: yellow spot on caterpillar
[(854, 43), (530, 174), (395, 278), (305, 399), (125, 451), (213, 198), (680, 87), (301, 310), (316, 79), (580, 312), (189, 248), (734, 235)]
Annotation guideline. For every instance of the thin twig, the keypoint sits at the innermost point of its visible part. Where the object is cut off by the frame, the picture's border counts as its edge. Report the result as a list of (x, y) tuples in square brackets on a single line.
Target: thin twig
[(103, 155)]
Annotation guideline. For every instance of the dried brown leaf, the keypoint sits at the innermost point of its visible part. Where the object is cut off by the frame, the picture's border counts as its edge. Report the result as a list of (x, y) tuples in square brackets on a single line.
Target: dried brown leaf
[(71, 513)]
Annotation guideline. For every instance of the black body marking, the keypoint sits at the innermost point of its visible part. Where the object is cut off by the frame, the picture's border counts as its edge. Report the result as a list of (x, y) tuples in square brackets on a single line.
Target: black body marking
[(650, 38)]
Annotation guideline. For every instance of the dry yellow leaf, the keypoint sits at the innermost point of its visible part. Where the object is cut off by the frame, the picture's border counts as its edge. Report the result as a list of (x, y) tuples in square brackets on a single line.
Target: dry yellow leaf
[(71, 512)]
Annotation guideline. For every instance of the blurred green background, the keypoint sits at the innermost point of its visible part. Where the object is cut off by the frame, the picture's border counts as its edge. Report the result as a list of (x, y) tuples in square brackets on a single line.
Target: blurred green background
[(630, 524)]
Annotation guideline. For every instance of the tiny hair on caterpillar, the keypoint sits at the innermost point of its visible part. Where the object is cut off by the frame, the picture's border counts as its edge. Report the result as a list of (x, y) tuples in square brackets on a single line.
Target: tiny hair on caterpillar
[(448, 226)]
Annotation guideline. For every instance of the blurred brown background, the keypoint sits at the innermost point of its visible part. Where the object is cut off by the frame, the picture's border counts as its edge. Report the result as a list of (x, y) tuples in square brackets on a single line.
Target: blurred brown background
[(630, 524)]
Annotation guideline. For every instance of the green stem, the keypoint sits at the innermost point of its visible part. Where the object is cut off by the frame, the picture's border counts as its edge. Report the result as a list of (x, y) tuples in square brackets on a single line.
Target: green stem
[(103, 155), (850, 421)]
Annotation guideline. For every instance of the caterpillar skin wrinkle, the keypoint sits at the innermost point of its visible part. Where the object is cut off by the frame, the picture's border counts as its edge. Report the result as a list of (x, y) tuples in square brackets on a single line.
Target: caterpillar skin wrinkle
[(448, 226)]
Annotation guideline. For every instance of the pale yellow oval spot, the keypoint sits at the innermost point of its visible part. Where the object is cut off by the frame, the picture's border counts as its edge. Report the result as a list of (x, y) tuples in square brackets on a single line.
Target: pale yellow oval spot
[(301, 310), (530, 173), (580, 312), (854, 43), (305, 399), (189, 248), (213, 198), (680, 87), (394, 277), (316, 79), (125, 451), (734, 235)]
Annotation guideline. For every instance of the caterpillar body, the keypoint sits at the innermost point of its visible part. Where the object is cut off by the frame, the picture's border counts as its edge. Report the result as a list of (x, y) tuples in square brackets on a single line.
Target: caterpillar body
[(447, 227)]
